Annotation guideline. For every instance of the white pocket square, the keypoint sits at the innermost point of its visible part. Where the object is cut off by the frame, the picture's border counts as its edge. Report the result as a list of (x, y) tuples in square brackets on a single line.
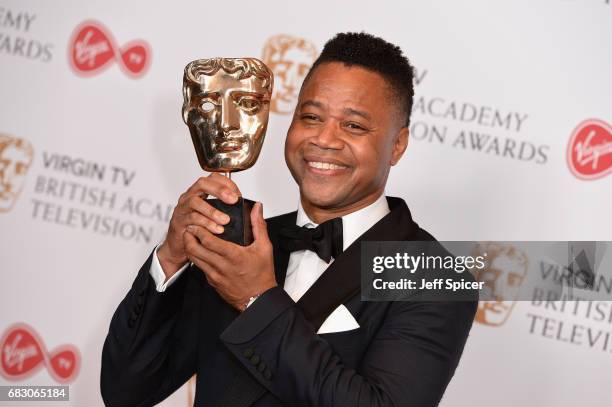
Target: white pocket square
[(338, 321)]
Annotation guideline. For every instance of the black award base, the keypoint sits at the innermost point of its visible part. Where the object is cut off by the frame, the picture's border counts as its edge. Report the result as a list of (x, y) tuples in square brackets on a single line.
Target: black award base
[(238, 230)]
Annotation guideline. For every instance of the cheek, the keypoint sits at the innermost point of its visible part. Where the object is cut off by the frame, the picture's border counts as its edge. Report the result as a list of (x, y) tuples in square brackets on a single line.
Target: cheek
[(368, 156), (292, 141), (292, 145), (251, 127), (258, 122), (203, 124)]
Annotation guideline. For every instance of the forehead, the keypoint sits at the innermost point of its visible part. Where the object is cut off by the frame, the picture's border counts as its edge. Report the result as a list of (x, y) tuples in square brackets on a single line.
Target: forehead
[(336, 83), (222, 81)]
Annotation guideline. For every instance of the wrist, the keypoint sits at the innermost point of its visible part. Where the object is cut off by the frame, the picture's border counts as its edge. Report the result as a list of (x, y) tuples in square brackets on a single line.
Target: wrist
[(247, 303), (250, 301), (169, 264)]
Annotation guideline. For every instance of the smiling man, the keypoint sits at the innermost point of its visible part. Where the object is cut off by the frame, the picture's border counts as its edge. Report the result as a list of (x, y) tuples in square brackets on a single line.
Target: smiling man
[(280, 322)]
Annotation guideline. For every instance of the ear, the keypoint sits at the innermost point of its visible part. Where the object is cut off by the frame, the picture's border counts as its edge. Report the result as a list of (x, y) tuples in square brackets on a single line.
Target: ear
[(399, 145)]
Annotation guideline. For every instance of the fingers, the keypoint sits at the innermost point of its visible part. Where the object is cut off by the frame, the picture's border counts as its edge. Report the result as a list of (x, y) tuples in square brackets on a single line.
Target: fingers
[(260, 230), (193, 210), (196, 203), (221, 248), (196, 219), (195, 250), (196, 247), (215, 185)]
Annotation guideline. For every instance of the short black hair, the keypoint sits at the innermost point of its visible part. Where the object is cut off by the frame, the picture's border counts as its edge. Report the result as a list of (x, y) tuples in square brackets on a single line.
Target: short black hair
[(376, 55)]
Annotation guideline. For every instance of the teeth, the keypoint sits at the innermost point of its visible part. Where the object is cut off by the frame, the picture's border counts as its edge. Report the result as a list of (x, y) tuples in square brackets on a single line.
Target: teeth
[(325, 166)]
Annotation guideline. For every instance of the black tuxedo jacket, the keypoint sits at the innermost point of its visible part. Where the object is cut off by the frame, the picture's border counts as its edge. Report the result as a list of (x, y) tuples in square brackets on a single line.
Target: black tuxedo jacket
[(403, 353)]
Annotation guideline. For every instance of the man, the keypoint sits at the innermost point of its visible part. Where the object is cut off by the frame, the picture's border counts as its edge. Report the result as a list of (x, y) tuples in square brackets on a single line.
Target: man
[(280, 322)]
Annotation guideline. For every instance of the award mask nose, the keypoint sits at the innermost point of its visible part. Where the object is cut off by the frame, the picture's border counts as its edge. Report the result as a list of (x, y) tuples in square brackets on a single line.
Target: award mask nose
[(230, 119)]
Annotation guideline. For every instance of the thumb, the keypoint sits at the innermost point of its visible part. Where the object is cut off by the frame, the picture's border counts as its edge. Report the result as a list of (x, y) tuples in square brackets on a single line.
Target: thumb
[(260, 230)]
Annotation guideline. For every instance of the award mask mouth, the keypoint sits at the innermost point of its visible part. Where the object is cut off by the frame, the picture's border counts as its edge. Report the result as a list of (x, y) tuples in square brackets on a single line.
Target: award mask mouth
[(228, 144)]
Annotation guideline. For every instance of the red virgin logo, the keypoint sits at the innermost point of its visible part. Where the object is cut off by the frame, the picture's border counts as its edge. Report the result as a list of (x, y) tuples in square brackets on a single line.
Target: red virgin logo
[(92, 49), (24, 353), (589, 153)]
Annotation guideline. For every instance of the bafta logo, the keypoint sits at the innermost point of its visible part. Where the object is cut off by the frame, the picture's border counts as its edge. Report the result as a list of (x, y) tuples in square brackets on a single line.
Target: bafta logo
[(503, 274), (290, 59), (15, 159)]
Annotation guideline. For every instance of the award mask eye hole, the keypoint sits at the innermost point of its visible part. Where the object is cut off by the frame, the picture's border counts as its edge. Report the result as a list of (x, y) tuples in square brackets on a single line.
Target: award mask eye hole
[(207, 106), (249, 104)]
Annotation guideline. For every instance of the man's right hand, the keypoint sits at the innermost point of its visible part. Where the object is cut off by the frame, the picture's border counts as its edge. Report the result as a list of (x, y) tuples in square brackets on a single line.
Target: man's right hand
[(192, 209)]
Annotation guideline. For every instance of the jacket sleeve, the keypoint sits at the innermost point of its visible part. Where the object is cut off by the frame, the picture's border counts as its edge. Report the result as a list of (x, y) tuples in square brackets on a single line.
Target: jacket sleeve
[(150, 349), (409, 362)]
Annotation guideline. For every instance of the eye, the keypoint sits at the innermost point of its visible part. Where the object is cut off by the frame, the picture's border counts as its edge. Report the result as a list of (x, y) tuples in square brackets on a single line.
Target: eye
[(309, 117), (207, 106), (249, 104), (355, 127)]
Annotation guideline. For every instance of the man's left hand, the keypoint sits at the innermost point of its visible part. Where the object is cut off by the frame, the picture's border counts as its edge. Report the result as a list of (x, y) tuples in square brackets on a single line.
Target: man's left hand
[(237, 273)]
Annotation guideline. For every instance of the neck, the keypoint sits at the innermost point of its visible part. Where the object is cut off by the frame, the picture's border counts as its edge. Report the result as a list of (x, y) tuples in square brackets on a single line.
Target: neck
[(321, 214)]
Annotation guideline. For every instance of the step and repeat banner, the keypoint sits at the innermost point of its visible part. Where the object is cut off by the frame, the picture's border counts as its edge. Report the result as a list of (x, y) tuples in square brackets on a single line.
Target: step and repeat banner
[(511, 139)]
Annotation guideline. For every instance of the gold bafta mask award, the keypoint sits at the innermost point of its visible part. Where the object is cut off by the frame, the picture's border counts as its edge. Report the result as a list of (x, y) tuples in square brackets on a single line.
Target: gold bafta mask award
[(226, 105)]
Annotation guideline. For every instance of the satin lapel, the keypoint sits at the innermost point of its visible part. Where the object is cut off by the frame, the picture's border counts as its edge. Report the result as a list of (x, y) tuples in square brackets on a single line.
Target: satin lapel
[(342, 279)]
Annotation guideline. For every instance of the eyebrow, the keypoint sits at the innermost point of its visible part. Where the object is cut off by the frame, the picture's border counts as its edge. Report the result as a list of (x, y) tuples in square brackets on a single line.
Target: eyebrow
[(349, 111), (346, 110), (208, 93), (312, 103)]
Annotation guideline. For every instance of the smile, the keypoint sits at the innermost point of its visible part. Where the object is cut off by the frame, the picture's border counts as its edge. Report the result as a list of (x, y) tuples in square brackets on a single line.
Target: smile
[(325, 166)]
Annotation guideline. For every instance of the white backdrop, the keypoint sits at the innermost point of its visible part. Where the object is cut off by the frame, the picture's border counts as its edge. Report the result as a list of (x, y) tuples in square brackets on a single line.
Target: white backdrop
[(524, 71)]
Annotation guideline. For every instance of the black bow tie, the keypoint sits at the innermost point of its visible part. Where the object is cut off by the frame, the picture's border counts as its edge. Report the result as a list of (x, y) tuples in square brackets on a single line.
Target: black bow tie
[(325, 240)]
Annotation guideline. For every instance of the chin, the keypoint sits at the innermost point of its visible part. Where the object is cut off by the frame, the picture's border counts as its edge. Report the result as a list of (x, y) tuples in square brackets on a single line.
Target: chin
[(321, 197)]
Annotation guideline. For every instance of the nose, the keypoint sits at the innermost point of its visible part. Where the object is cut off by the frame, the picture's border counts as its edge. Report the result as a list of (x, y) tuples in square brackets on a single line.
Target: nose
[(230, 119), (329, 137)]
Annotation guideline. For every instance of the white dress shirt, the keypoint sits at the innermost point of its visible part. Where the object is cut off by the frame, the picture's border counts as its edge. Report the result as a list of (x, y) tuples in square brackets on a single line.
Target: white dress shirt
[(305, 267)]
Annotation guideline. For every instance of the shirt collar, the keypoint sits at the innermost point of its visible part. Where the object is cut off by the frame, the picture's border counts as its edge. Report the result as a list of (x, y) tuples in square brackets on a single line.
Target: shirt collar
[(354, 224)]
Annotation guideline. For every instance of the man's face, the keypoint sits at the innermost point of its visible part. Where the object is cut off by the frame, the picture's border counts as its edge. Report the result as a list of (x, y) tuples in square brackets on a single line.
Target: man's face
[(503, 277), (290, 66), (227, 119), (14, 164), (345, 134)]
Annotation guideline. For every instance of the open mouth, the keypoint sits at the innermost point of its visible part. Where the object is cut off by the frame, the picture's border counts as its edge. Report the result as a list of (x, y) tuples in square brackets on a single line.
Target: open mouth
[(326, 168), (321, 165)]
